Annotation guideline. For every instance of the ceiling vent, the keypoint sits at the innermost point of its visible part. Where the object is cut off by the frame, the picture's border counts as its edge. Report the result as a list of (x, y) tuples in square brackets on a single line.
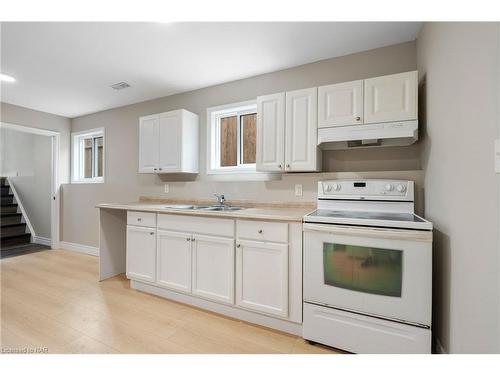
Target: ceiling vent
[(120, 86)]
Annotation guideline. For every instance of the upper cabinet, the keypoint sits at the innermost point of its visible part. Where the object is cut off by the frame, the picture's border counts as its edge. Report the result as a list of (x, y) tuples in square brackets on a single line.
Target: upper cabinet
[(287, 132), (374, 100), (301, 131), (391, 98), (168, 142), (340, 104), (270, 150)]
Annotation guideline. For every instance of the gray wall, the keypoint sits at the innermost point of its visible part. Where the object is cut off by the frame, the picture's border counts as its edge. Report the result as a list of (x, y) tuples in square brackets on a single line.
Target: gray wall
[(26, 159), (459, 64), (123, 183), (14, 114)]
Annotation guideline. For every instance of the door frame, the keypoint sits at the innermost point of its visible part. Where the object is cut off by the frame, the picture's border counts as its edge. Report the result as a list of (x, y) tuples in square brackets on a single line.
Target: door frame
[(55, 183)]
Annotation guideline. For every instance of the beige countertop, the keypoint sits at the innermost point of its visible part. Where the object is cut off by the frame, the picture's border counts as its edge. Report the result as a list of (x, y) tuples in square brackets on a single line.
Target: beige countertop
[(258, 211)]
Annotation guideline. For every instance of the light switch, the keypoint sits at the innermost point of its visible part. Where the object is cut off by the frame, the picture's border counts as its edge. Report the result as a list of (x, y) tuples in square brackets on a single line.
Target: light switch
[(298, 190), (497, 155)]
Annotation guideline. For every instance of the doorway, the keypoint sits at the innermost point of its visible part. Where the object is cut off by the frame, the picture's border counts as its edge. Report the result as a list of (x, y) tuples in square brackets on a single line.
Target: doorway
[(47, 236)]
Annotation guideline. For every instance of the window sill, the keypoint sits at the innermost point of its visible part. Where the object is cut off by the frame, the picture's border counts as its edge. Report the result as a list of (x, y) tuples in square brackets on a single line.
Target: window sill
[(95, 181)]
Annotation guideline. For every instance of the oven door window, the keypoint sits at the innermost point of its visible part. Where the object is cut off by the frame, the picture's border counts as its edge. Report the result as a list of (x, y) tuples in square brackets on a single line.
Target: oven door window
[(363, 269)]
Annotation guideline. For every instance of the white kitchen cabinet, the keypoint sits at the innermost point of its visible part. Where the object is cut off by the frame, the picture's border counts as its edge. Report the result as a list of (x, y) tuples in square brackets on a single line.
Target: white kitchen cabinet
[(340, 104), (391, 98), (301, 131), (168, 142), (262, 277), (141, 253), (213, 268), (270, 150), (287, 132), (174, 260), (148, 143)]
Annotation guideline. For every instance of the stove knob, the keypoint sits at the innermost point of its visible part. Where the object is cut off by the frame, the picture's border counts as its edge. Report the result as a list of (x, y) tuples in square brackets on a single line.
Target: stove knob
[(401, 188), (336, 187), (328, 188), (389, 187)]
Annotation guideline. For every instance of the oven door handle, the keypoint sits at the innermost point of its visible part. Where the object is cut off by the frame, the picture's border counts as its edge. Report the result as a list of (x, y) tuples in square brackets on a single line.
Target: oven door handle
[(372, 232)]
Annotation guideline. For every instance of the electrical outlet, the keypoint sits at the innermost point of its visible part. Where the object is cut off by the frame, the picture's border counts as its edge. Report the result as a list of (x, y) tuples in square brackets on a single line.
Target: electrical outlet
[(298, 190), (167, 188), (497, 155)]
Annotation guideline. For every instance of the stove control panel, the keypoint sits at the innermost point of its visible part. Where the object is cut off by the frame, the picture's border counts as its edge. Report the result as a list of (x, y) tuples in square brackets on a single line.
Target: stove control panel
[(401, 190)]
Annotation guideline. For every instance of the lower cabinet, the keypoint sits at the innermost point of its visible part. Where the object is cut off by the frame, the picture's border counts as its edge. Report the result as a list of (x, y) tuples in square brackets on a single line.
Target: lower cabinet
[(174, 260), (213, 268), (141, 253), (262, 277)]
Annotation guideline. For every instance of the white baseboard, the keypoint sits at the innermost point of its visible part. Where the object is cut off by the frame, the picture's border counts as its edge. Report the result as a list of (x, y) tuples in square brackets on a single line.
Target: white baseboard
[(42, 240), (439, 347), (85, 249)]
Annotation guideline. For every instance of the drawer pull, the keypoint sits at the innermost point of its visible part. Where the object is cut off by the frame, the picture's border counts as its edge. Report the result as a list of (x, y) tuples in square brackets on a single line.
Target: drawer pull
[(139, 219), (260, 231), (188, 239), (238, 245), (151, 233)]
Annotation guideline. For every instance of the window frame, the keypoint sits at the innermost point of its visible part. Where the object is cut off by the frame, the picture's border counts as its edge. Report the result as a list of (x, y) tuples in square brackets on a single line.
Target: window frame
[(214, 115), (77, 165)]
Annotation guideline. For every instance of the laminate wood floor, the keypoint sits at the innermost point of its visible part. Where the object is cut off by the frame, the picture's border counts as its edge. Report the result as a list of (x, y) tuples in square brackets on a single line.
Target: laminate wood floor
[(52, 300)]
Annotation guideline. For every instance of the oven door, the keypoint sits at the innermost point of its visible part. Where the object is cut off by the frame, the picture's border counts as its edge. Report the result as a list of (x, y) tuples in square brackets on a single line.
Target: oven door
[(374, 271)]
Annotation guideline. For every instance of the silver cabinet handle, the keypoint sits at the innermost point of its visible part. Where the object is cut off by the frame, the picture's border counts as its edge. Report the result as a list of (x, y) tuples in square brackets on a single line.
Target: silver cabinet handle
[(260, 231), (139, 219), (279, 166), (188, 239), (288, 165), (192, 239), (151, 233)]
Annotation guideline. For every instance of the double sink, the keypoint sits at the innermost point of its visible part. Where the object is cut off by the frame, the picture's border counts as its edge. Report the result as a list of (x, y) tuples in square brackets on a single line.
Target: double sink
[(202, 208)]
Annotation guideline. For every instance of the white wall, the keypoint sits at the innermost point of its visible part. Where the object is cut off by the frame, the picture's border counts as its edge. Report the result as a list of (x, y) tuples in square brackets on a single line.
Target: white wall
[(459, 64), (26, 159)]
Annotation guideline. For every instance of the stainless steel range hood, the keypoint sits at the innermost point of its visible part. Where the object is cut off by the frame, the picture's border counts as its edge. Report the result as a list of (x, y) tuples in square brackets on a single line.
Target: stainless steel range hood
[(401, 133)]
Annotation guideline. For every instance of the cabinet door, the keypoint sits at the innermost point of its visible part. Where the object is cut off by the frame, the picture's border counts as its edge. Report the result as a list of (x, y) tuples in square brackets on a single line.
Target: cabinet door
[(213, 268), (174, 260), (391, 98), (141, 253), (148, 143), (340, 104), (262, 277), (270, 153), (301, 130), (170, 142)]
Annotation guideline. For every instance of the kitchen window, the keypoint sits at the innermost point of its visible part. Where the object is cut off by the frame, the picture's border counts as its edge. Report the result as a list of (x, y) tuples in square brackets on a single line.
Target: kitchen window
[(88, 156), (232, 138)]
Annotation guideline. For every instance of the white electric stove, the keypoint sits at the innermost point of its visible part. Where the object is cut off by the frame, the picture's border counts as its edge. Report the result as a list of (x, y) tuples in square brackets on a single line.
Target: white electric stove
[(368, 268)]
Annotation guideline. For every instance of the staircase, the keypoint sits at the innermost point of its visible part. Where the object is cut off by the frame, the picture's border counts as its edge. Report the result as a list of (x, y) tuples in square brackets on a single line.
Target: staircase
[(13, 231)]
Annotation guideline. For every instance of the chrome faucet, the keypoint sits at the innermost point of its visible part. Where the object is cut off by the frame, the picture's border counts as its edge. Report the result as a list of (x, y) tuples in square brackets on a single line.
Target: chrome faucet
[(220, 199)]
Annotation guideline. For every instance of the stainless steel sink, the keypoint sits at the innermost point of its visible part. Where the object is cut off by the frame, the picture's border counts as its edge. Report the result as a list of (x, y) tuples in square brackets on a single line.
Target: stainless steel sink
[(202, 208), (221, 208)]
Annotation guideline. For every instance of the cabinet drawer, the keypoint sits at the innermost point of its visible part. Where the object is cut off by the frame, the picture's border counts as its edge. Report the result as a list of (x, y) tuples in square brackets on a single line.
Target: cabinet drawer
[(200, 225), (141, 219), (267, 231)]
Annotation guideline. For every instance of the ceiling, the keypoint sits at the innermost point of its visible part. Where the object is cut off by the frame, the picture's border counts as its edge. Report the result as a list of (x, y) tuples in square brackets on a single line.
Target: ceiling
[(67, 68)]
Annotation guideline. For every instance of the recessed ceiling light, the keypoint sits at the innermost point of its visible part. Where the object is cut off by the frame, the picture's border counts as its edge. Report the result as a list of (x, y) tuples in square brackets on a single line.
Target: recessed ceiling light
[(6, 78)]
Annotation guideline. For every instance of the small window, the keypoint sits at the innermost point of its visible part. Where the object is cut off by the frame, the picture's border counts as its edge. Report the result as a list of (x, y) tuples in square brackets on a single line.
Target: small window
[(232, 140), (88, 156)]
